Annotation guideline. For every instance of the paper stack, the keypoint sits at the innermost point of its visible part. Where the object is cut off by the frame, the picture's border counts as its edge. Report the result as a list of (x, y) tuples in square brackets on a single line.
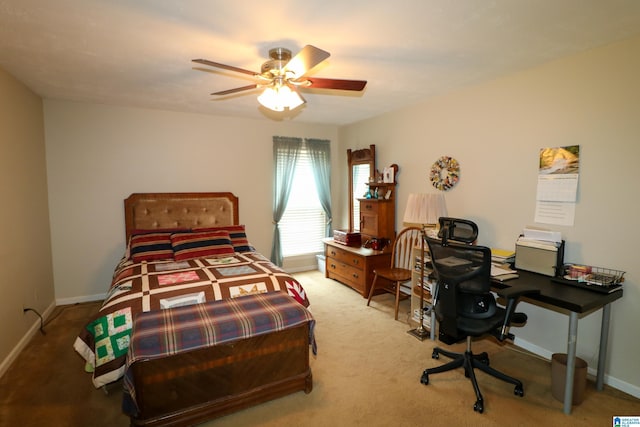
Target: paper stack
[(502, 256), (536, 237)]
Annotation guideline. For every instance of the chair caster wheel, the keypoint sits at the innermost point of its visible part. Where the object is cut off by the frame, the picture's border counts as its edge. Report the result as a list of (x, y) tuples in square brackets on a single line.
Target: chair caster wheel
[(518, 391), (435, 354), (424, 379), (478, 406)]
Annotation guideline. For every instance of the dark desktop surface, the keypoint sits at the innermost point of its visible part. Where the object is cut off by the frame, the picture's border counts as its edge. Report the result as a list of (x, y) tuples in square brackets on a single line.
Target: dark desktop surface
[(560, 295)]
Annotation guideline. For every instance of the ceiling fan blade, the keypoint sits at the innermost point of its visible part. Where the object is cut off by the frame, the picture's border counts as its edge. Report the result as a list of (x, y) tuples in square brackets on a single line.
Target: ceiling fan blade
[(235, 90), (305, 60), (320, 83), (224, 66)]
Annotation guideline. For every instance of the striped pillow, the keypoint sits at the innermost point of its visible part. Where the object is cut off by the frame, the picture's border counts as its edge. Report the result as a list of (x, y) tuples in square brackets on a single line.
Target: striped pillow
[(237, 234), (200, 244), (150, 247)]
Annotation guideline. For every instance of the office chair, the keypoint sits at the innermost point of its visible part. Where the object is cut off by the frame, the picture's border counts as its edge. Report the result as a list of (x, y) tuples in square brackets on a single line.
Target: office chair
[(401, 265), (465, 307)]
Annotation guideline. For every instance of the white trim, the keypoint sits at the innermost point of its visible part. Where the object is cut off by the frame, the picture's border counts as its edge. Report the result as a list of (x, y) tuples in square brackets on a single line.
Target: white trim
[(77, 300), (13, 355), (302, 269)]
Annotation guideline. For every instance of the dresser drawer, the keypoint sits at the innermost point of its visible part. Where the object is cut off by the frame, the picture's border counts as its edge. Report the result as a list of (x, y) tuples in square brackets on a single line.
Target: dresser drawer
[(353, 266), (351, 276), (344, 256), (369, 207)]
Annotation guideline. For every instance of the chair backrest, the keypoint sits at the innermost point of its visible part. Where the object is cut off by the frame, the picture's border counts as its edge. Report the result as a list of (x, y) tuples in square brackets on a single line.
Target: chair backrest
[(457, 229), (407, 239), (464, 282)]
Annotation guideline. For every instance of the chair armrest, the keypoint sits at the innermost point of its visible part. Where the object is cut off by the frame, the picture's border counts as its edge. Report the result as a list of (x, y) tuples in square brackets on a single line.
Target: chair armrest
[(512, 294)]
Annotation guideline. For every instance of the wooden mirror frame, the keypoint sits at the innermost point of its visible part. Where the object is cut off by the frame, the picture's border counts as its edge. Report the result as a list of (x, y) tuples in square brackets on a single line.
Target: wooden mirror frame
[(359, 157)]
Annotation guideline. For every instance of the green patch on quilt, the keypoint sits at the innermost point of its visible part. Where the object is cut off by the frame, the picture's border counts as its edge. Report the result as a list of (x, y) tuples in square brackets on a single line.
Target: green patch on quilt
[(112, 334)]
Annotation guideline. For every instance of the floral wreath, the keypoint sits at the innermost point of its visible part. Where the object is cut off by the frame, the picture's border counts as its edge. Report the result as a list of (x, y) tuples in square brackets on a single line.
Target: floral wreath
[(451, 176)]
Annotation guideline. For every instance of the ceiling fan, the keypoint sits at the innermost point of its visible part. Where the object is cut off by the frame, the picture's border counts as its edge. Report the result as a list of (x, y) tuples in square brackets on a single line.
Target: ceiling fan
[(282, 76)]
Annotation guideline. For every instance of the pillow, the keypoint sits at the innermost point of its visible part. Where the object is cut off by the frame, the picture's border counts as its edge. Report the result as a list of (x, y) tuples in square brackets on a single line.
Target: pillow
[(200, 244), (237, 234), (150, 247)]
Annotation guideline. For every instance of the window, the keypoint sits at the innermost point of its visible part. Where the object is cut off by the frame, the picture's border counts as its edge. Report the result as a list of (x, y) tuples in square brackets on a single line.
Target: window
[(303, 224)]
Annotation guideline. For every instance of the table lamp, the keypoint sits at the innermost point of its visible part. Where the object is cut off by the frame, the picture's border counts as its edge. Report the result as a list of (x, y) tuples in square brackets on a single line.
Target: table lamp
[(424, 210)]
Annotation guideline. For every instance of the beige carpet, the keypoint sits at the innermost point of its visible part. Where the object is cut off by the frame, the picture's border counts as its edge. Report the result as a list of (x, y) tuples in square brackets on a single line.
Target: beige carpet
[(367, 372)]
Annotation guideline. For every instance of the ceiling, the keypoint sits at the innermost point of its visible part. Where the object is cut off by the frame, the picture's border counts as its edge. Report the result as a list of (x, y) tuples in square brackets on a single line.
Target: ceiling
[(139, 52)]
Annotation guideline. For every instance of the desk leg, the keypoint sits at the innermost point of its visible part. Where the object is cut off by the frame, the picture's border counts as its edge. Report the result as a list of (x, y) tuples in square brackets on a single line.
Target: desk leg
[(571, 361), (604, 341), (432, 332), (434, 299)]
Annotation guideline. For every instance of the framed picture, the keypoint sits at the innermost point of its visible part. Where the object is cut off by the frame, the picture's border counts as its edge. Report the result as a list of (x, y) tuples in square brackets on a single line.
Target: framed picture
[(388, 175)]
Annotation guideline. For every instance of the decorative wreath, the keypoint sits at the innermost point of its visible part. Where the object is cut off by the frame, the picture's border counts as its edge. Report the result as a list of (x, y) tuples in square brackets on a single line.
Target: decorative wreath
[(445, 173)]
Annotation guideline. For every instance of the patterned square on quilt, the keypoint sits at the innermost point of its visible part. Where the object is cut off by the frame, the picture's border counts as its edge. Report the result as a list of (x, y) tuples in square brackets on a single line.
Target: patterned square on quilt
[(200, 244)]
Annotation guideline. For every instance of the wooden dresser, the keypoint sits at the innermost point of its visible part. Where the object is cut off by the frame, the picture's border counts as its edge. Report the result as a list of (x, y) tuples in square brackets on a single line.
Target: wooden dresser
[(353, 266)]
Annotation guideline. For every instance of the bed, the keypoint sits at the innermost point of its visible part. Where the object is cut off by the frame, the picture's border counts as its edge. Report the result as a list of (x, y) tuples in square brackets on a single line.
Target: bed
[(197, 322)]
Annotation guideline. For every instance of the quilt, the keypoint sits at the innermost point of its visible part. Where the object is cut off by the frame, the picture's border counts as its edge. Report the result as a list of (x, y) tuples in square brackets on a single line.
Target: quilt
[(145, 286), (164, 333)]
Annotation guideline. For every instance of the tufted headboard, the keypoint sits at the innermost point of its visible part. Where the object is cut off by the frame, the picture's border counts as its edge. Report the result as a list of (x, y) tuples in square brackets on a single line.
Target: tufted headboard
[(179, 210)]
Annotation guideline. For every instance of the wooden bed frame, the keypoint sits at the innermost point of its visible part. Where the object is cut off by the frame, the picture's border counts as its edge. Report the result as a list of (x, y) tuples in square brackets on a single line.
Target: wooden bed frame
[(192, 387)]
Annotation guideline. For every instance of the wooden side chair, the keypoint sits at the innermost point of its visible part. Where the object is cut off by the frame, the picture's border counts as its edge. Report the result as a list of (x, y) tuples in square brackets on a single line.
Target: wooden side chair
[(401, 266)]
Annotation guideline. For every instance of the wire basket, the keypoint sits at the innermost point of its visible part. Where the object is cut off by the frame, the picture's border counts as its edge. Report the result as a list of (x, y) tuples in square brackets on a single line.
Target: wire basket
[(592, 275)]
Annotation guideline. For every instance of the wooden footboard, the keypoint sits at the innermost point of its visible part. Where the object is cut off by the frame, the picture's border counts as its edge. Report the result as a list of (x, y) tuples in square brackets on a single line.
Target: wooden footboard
[(192, 387)]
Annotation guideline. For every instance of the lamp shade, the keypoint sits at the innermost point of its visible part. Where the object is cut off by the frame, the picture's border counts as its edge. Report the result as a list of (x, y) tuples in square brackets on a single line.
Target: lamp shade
[(425, 209), (279, 97)]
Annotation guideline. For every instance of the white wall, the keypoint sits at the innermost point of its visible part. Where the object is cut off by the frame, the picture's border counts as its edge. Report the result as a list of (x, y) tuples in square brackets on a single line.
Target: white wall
[(97, 155), (495, 130)]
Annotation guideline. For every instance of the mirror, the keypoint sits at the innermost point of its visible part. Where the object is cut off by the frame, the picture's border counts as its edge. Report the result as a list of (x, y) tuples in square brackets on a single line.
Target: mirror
[(362, 166)]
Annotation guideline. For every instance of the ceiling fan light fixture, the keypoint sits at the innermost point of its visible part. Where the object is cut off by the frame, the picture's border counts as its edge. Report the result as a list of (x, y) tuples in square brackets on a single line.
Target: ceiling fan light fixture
[(278, 98), (282, 75)]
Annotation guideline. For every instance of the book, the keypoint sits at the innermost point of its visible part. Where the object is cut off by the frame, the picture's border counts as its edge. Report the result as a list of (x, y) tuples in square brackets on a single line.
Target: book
[(503, 256), (502, 253)]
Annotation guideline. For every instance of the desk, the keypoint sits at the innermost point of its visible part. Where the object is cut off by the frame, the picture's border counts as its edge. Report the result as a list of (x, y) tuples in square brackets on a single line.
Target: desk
[(578, 301)]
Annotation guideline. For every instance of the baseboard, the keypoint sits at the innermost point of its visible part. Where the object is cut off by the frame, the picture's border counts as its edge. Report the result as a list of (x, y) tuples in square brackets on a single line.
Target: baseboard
[(592, 371), (78, 300), (302, 268), (13, 355)]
